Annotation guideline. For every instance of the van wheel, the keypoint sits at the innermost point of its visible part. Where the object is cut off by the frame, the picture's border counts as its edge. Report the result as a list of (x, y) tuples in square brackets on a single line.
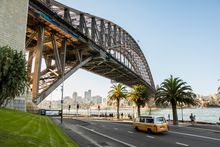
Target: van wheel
[(149, 131), (136, 128)]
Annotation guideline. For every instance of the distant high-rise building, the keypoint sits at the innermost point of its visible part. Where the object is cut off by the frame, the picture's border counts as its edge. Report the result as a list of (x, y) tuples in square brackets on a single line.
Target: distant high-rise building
[(85, 95), (88, 95), (90, 92), (75, 96)]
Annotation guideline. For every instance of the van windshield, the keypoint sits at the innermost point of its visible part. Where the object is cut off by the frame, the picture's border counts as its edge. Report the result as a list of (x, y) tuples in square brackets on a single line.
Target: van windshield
[(160, 120)]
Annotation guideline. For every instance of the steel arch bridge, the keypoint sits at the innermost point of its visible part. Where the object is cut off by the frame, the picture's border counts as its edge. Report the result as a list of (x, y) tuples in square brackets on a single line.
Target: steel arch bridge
[(60, 40)]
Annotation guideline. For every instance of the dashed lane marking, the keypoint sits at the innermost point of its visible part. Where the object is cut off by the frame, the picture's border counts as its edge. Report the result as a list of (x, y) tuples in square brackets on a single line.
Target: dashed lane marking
[(130, 132), (148, 136), (183, 144)]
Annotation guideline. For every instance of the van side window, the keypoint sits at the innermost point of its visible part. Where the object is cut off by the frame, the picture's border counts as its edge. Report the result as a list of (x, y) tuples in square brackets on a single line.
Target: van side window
[(160, 119), (149, 120), (142, 120)]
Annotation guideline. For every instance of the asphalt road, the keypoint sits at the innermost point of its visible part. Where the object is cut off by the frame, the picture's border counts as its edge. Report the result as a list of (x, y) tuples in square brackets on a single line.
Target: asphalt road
[(90, 133)]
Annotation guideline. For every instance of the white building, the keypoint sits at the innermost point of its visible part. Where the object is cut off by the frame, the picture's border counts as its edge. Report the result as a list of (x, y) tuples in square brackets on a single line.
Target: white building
[(97, 99)]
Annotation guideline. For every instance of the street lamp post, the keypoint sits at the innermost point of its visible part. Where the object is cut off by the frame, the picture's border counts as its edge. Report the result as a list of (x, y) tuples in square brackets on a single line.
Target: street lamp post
[(61, 119), (63, 72)]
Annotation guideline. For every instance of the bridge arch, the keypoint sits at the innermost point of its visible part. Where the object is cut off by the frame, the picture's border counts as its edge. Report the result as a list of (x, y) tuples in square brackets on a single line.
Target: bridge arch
[(74, 39)]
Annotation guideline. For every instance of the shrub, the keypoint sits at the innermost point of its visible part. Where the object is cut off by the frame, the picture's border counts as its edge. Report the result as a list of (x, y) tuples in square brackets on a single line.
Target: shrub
[(13, 74)]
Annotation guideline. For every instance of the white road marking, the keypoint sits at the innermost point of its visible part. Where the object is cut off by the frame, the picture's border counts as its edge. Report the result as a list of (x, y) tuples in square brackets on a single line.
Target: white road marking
[(115, 128), (130, 132), (73, 128), (196, 128), (199, 136), (204, 129), (107, 136), (182, 144), (150, 136)]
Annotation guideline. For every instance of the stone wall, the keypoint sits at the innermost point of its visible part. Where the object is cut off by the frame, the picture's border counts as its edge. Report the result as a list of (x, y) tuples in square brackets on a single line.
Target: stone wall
[(13, 22)]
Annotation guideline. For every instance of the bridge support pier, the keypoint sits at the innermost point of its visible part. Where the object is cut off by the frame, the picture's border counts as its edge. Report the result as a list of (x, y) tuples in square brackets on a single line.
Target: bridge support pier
[(13, 23)]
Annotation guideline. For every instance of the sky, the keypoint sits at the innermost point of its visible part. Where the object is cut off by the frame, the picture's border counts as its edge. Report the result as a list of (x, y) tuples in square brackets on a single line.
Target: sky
[(178, 37)]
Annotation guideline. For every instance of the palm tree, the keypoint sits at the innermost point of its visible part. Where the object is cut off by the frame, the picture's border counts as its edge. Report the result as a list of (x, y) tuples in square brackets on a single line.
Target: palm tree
[(139, 95), (117, 92), (173, 91)]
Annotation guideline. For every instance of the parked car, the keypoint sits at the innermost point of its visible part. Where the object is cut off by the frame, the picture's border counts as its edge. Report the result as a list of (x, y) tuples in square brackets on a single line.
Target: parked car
[(150, 123)]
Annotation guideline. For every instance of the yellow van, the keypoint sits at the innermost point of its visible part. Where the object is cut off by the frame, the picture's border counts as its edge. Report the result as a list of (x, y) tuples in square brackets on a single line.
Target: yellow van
[(154, 124)]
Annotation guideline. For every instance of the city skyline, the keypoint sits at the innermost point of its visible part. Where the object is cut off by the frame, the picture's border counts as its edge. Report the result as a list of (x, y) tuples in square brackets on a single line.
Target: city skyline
[(177, 37)]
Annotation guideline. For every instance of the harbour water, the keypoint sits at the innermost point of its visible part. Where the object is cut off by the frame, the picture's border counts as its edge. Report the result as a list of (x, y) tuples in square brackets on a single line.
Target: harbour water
[(210, 115)]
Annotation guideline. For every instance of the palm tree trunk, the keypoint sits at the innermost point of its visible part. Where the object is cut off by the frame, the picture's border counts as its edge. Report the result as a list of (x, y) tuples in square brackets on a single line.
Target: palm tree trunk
[(150, 111), (138, 109), (118, 102), (175, 117), (149, 108)]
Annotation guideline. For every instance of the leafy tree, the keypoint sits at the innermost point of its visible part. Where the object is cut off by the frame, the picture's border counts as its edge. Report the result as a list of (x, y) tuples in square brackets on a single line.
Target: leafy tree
[(117, 92), (13, 74), (139, 95), (174, 91)]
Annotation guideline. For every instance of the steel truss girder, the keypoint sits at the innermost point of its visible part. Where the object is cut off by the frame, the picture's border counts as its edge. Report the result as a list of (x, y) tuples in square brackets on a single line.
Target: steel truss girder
[(106, 34), (101, 36)]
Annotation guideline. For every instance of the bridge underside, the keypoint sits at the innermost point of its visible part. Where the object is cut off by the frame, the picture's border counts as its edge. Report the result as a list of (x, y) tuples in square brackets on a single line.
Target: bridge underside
[(56, 50)]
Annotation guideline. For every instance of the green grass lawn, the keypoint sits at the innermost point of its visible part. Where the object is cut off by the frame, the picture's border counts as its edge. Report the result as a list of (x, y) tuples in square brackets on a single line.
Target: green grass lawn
[(20, 129)]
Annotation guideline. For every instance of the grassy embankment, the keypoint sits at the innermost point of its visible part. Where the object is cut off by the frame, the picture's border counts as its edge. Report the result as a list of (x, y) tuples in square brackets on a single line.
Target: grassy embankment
[(22, 129)]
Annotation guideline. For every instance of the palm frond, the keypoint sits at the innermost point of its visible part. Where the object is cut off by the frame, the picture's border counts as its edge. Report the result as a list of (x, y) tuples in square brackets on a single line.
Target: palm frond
[(174, 90)]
